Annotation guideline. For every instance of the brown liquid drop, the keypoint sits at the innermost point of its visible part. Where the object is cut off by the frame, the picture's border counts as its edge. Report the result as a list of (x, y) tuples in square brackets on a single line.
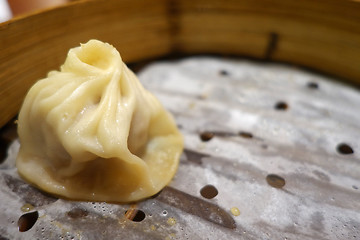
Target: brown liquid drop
[(245, 135), (281, 106), (209, 191), (206, 136), (275, 181), (135, 215), (344, 148), (77, 213), (27, 221)]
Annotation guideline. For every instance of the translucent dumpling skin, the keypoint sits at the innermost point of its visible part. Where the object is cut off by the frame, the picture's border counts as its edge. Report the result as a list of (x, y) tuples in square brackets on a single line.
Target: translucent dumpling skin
[(92, 132)]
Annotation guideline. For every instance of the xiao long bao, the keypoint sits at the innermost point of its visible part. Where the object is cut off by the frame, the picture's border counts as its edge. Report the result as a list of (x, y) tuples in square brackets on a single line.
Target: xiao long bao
[(92, 132)]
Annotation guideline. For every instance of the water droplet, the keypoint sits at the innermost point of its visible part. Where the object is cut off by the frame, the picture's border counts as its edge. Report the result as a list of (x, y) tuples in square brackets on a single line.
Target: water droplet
[(235, 211), (171, 221), (164, 213), (27, 207)]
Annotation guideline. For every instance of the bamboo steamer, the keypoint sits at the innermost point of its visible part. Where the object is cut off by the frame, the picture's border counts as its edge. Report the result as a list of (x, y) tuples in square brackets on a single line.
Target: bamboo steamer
[(322, 35), (271, 151)]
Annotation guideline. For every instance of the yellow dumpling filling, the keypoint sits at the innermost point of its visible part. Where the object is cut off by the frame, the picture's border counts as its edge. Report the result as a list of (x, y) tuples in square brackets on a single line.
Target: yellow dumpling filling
[(92, 132)]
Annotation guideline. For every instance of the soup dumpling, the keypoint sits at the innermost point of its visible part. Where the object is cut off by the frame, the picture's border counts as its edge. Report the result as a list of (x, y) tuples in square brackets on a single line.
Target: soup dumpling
[(92, 132)]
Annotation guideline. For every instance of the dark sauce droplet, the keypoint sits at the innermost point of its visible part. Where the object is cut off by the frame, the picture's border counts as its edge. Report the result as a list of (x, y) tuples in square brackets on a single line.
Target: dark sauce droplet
[(135, 215), (206, 136), (275, 181), (281, 106), (246, 135), (224, 72), (27, 221), (344, 148), (209, 191), (313, 85)]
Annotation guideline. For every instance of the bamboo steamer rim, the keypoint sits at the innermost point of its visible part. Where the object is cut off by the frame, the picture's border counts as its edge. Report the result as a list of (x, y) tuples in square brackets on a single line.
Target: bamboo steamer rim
[(321, 35)]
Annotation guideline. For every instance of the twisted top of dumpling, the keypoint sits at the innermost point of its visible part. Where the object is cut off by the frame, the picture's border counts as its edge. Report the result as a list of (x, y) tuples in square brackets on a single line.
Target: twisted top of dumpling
[(92, 132)]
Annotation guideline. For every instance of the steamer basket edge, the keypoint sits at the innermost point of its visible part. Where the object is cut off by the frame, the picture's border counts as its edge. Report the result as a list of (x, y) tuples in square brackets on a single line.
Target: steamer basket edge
[(322, 35)]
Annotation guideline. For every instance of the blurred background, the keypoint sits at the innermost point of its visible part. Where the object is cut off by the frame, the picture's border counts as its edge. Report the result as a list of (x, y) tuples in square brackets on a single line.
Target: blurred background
[(12, 8)]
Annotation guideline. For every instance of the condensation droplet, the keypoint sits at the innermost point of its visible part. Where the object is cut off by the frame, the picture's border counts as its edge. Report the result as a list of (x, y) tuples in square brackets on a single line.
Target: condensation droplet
[(171, 221), (27, 207), (235, 211)]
